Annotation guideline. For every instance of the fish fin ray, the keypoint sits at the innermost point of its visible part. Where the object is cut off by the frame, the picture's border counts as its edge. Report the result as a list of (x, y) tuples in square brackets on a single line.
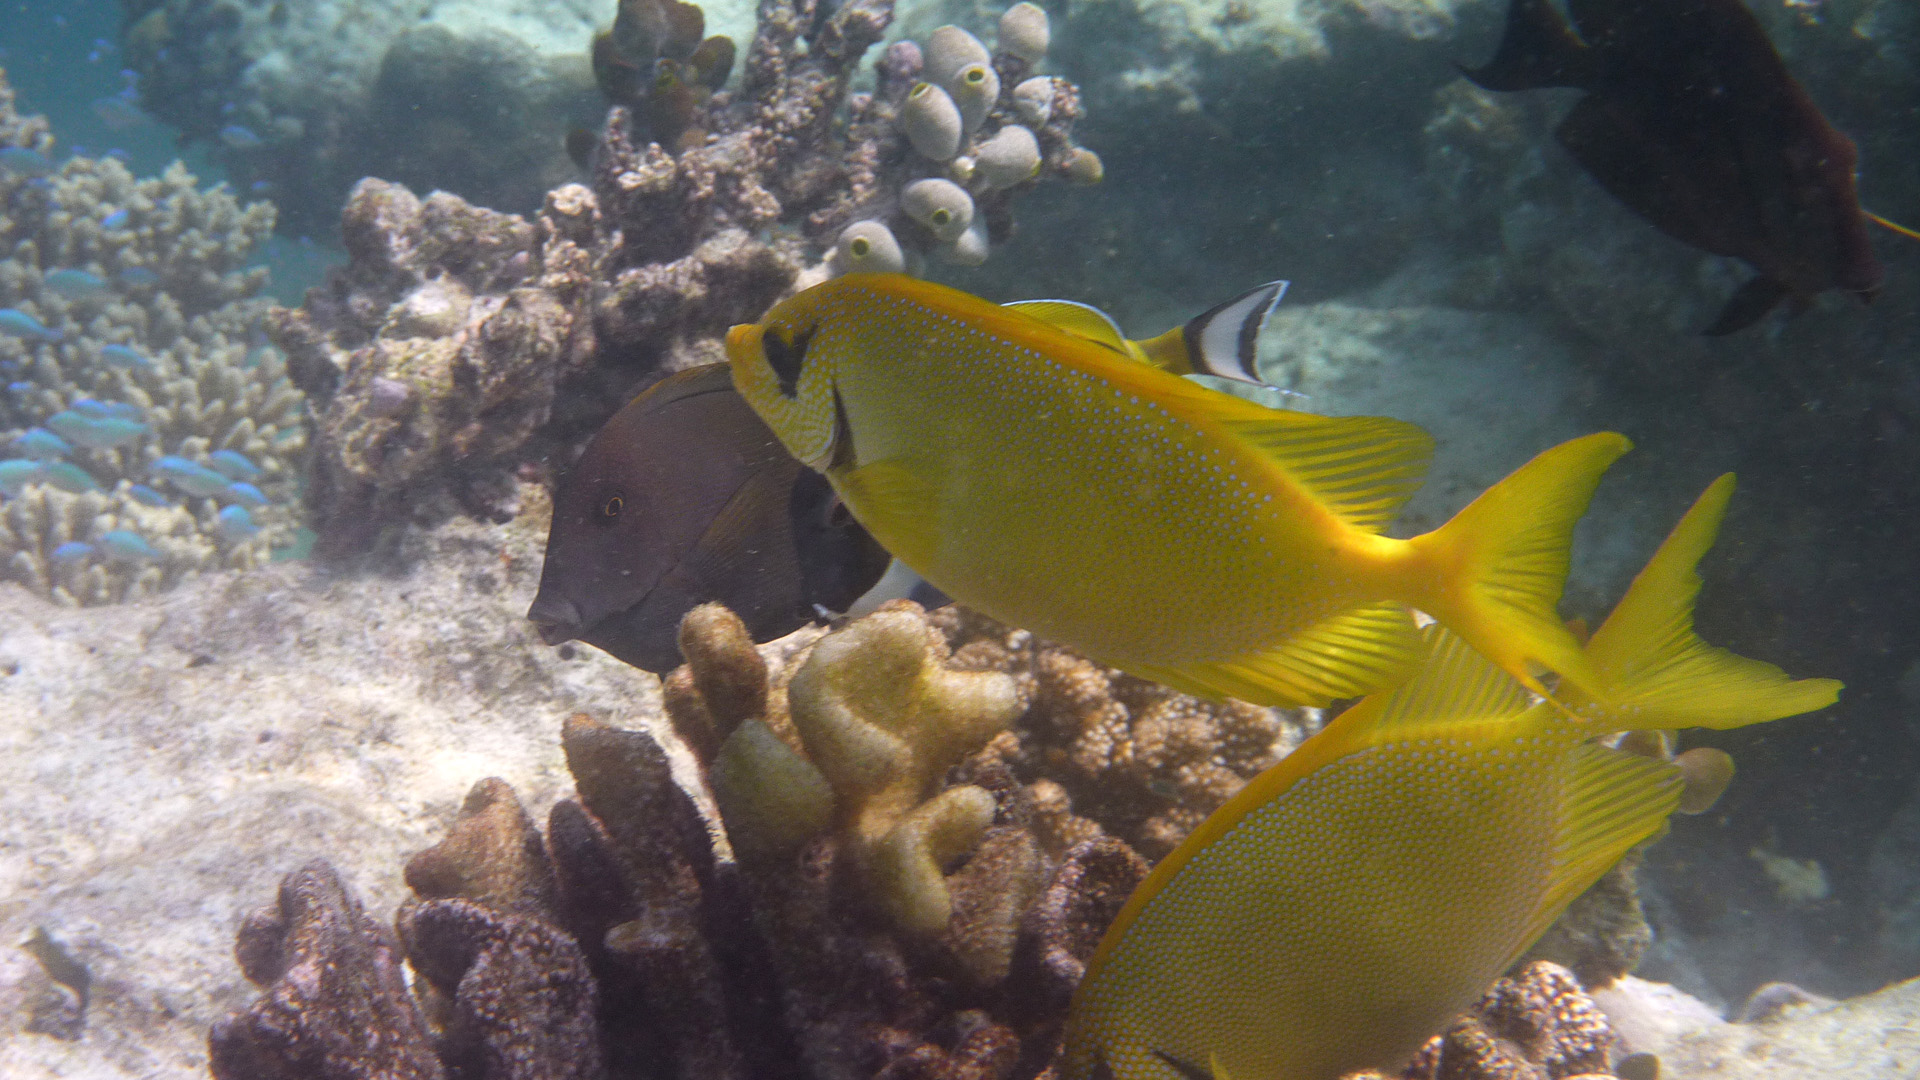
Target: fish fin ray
[(1363, 468), (1501, 563), (1656, 671), (1453, 685), (688, 383), (1611, 801), (1081, 320), (1224, 340), (1344, 655), (1537, 49)]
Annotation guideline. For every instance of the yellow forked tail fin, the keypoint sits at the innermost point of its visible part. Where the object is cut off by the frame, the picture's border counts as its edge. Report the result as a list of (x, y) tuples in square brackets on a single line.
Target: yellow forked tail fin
[(1658, 674), (1496, 570)]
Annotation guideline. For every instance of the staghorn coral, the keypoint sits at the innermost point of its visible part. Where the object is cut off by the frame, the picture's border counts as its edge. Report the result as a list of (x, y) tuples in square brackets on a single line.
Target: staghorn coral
[(146, 395)]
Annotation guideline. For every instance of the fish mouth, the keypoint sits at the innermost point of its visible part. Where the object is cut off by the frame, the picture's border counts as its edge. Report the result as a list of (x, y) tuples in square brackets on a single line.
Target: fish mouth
[(556, 618)]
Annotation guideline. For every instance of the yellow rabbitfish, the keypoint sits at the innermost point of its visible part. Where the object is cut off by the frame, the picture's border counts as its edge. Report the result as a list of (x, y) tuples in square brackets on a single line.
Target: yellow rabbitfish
[(1051, 480), (1351, 900)]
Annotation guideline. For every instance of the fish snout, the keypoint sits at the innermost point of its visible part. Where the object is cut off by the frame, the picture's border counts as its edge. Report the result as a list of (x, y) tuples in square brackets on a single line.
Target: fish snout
[(556, 618)]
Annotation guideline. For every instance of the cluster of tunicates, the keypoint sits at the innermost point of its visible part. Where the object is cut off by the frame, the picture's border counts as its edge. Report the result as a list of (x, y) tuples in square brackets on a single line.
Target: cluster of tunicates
[(978, 125)]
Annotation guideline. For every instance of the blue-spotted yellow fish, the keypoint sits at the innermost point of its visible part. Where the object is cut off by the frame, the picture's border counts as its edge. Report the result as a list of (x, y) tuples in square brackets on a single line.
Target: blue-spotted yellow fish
[(1352, 899), (1053, 481)]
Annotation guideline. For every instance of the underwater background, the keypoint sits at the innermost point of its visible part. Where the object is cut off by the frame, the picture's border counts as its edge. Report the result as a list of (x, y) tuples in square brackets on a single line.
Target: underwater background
[(310, 393)]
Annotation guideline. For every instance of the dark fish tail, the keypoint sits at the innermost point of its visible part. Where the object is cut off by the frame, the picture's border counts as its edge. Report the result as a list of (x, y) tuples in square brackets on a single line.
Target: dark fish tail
[(1538, 49)]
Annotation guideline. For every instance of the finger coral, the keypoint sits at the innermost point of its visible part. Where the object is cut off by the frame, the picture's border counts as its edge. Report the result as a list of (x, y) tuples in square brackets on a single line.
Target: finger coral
[(145, 406)]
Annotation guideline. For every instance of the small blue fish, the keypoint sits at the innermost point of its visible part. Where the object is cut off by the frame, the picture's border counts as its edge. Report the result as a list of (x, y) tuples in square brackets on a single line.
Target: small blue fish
[(120, 111), (116, 220), (119, 155), (25, 161), (146, 496), (41, 445), (69, 477), (17, 473), (233, 464), (126, 410), (239, 137), (90, 407), (236, 524), (76, 284), (124, 356), (128, 546), (19, 387), (101, 432), (190, 477), (262, 188), (246, 494), (137, 277), (72, 551), (22, 325)]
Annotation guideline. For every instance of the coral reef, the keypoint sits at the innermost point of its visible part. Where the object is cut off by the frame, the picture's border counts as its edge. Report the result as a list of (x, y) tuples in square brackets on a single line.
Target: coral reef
[(433, 357), (1536, 1024), (150, 433), (461, 343)]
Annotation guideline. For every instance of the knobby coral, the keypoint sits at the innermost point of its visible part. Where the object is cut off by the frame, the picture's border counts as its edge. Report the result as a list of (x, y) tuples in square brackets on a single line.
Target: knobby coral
[(148, 431), (641, 935)]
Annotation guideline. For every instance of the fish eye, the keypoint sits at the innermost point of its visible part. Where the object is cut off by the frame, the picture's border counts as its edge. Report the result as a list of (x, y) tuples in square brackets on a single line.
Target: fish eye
[(612, 507)]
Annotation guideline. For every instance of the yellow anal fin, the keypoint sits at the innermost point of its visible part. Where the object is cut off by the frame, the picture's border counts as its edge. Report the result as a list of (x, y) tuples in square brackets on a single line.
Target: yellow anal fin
[(1342, 656), (1658, 674), (1363, 468), (1611, 800), (1453, 685), (898, 500)]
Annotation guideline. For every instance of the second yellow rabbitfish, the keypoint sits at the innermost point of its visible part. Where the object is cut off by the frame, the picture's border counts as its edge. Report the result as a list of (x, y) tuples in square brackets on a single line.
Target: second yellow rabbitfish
[(1057, 482), (1354, 898)]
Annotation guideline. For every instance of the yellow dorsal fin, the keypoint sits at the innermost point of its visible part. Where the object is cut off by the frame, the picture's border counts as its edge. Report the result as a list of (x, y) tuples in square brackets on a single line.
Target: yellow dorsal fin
[(1453, 685), (1363, 468), (1658, 674), (1347, 654), (1081, 320), (1611, 800)]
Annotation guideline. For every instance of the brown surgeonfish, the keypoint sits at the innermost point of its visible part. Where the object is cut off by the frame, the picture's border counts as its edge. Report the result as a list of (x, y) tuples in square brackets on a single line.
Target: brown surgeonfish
[(1692, 120), (685, 497)]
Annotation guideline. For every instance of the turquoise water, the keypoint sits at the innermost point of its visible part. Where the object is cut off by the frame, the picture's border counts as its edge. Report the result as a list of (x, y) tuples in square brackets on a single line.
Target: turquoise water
[(412, 414)]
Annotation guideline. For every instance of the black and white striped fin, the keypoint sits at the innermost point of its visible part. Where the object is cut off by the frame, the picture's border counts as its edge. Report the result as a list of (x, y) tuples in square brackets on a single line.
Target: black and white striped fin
[(1225, 341)]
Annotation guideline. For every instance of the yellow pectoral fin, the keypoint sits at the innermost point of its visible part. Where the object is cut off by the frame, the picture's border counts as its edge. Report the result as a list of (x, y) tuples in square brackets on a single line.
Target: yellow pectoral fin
[(1363, 468), (898, 500), (1611, 801), (1352, 653)]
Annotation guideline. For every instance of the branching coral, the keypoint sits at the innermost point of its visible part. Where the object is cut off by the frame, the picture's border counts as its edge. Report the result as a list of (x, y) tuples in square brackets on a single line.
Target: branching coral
[(150, 434)]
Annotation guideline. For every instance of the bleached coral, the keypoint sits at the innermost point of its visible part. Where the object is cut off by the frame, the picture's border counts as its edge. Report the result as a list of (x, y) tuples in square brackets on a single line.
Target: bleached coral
[(182, 433)]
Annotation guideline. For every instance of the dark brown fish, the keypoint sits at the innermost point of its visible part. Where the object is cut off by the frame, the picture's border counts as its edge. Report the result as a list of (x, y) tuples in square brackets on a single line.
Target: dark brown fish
[(686, 497), (1692, 120)]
